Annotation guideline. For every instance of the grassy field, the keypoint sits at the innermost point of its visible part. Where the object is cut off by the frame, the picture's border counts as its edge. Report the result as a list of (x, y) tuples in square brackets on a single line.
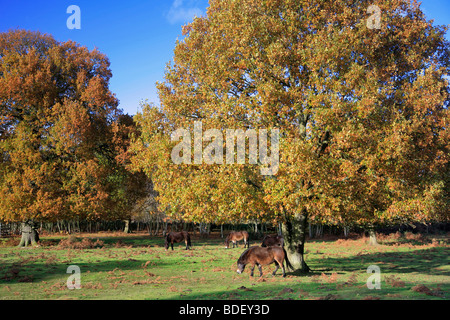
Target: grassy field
[(136, 266)]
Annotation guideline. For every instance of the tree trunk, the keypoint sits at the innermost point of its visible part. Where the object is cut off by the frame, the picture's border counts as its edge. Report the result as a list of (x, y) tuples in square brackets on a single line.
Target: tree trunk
[(157, 227), (294, 233), (164, 232), (151, 227), (29, 234), (372, 237), (127, 226), (346, 231), (319, 231)]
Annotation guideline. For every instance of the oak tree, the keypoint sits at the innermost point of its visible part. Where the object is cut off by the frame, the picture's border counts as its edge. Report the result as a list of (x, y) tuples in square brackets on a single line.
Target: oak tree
[(61, 133), (362, 114)]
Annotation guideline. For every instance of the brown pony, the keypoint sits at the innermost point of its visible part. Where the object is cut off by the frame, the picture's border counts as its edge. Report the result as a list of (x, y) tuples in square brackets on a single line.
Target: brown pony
[(235, 236), (176, 237), (273, 241), (260, 256)]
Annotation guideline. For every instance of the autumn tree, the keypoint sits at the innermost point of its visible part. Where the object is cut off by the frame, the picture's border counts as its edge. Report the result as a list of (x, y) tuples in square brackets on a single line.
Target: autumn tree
[(60, 133), (361, 108)]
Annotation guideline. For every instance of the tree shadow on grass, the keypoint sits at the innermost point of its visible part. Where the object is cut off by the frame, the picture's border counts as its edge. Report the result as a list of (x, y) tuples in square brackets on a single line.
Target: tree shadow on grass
[(145, 240), (47, 269), (311, 285), (279, 291), (429, 261), (422, 261)]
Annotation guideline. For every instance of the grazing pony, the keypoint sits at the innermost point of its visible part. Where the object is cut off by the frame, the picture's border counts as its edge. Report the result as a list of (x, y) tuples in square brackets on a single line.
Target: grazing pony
[(260, 256), (273, 241), (176, 237), (236, 236)]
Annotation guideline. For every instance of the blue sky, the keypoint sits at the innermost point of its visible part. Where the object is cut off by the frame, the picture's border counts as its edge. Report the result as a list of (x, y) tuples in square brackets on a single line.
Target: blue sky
[(137, 36)]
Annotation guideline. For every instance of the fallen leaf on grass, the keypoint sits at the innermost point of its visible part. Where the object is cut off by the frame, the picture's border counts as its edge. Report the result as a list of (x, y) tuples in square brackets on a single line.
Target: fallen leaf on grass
[(303, 293), (285, 290), (145, 265), (94, 286), (140, 282), (173, 289), (245, 289), (329, 297), (424, 289), (395, 282), (26, 279), (371, 298)]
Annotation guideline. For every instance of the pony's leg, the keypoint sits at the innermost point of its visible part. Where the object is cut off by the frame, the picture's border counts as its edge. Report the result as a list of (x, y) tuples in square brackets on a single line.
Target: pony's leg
[(252, 269), (260, 270), (171, 244), (277, 266), (280, 263)]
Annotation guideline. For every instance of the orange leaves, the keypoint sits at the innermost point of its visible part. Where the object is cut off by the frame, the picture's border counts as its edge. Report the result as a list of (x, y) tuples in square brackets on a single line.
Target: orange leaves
[(59, 149), (361, 117), (70, 126)]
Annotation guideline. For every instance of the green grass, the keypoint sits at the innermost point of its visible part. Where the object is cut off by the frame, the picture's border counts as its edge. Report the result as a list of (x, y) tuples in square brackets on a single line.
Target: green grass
[(137, 267)]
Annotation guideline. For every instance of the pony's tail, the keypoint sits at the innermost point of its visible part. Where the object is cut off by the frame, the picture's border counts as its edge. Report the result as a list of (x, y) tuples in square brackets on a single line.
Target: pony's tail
[(288, 263), (189, 241), (166, 241)]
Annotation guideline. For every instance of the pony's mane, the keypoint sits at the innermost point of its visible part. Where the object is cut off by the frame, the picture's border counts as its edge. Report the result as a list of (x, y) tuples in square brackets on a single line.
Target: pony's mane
[(244, 255)]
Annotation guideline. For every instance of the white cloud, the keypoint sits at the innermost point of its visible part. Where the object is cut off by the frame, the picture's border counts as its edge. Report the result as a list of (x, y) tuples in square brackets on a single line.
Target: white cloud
[(183, 11)]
